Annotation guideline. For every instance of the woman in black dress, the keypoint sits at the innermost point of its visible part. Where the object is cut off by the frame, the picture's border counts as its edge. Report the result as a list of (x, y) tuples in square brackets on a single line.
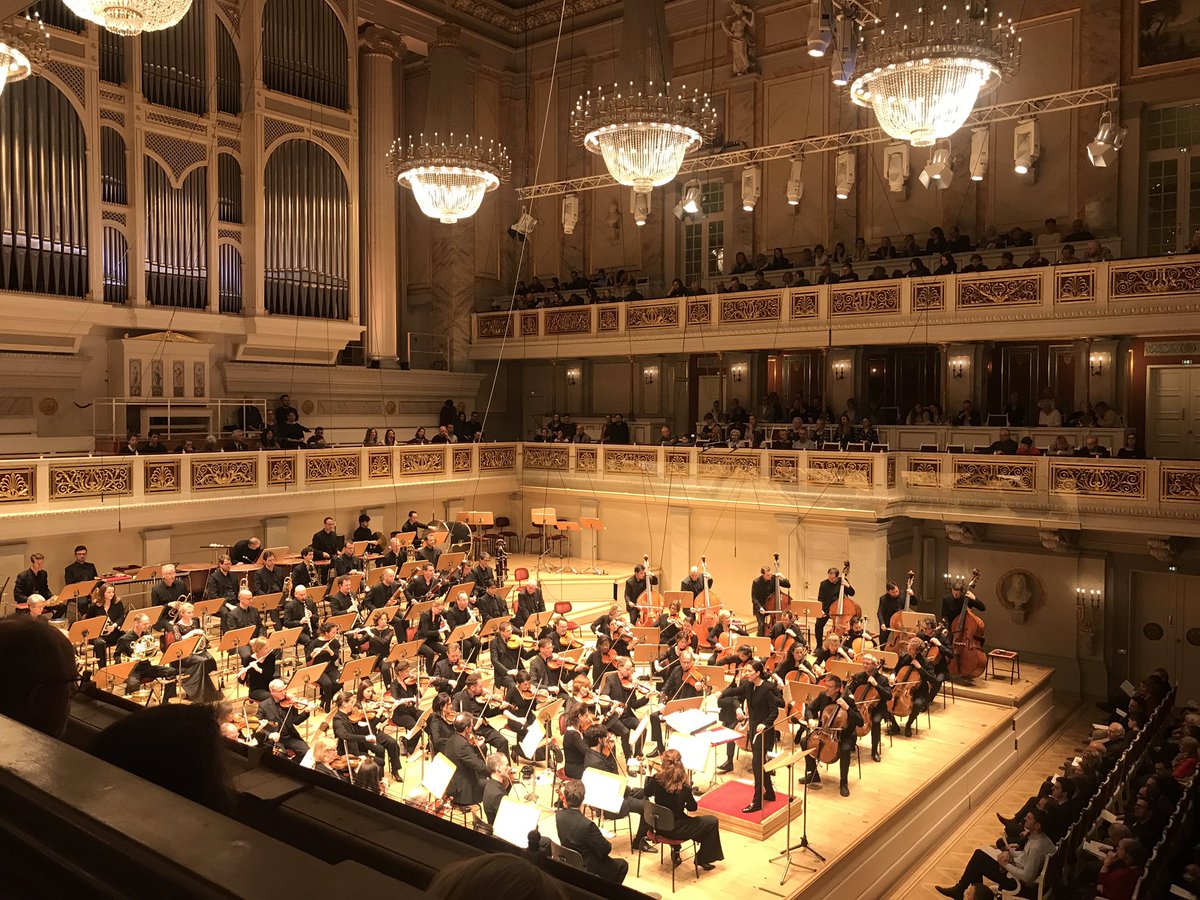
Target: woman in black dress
[(575, 748), (672, 788)]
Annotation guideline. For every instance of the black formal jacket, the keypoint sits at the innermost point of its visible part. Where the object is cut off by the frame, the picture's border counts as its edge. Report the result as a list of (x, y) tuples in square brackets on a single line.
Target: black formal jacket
[(889, 606), (351, 736), (77, 572), (267, 581), (241, 553), (579, 833), (30, 582), (466, 787), (222, 584), (493, 793), (325, 543), (762, 588), (528, 605), (829, 591), (244, 618), (256, 680), (282, 719)]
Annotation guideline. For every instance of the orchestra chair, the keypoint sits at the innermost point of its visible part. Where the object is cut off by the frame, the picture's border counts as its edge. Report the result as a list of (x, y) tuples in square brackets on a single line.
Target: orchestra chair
[(563, 608), (556, 540), (660, 819), (567, 857), (505, 530)]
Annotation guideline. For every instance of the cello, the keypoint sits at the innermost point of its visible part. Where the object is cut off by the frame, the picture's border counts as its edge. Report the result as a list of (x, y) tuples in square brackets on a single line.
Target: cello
[(966, 631), (846, 608), (829, 732), (906, 679), (896, 630), (778, 601), (651, 601)]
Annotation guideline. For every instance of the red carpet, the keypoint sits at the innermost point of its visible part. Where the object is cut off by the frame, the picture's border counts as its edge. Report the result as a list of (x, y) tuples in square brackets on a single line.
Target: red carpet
[(729, 798)]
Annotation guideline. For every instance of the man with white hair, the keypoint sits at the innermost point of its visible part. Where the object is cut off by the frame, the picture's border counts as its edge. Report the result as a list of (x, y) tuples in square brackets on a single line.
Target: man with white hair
[(279, 719), (694, 582), (167, 593), (244, 615)]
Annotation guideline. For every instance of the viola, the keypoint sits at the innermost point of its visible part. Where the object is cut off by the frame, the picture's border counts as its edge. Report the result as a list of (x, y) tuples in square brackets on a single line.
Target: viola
[(528, 693), (967, 631)]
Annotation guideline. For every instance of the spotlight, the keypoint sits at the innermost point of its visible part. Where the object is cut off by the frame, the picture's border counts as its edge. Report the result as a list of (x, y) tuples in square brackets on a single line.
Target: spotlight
[(845, 55), (980, 148), (795, 184), (523, 227), (896, 168), (844, 173), (688, 210), (750, 188), (820, 27), (639, 205), (570, 213), (1027, 146), (1110, 137), (939, 170)]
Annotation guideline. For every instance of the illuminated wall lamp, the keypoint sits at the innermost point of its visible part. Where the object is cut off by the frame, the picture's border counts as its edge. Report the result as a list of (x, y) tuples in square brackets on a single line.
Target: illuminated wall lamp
[(958, 366), (573, 376), (839, 370), (1096, 361), (1087, 615), (738, 372), (650, 374)]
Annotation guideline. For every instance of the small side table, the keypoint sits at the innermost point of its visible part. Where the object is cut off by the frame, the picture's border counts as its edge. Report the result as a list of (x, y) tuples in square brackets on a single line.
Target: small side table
[(1011, 658)]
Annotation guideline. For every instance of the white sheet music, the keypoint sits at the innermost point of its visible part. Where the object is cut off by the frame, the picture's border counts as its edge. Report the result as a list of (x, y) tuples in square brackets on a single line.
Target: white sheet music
[(690, 721), (514, 821), (533, 739), (603, 790), (437, 775), (693, 750)]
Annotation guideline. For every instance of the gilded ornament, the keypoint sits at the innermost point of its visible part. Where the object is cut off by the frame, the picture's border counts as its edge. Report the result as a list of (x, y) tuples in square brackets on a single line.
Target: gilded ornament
[(161, 477), (631, 461), (111, 480), (1125, 482), (224, 473), (859, 301), (1018, 290), (379, 464), (573, 321), (281, 469), (659, 315), (17, 485), (331, 467), (750, 309), (422, 462), (546, 458), (995, 476)]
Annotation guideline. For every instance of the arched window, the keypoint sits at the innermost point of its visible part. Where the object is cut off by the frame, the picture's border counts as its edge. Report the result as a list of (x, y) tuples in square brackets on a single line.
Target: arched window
[(229, 188), (113, 179), (176, 239), (43, 191), (305, 53), (307, 233), (173, 64), (229, 73), (229, 284), (116, 267)]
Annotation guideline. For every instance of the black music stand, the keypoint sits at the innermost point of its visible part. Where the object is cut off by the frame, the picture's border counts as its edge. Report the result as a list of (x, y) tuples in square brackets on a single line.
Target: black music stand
[(790, 761)]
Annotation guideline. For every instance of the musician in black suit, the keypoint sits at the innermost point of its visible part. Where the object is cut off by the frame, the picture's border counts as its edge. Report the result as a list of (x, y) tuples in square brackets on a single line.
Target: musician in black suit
[(305, 571), (471, 700), (497, 786), (397, 554), (424, 585), (381, 592), (246, 551), (926, 678), (627, 695), (461, 612), (599, 756), (358, 738), (529, 602), (878, 711), (81, 570), (449, 673), (636, 585), (325, 648), (763, 700), (345, 562), (429, 551), (341, 600), (828, 593), (491, 605), (694, 582), (279, 716), (326, 543), (505, 660), (35, 581), (413, 525), (846, 737), (139, 635), (433, 629), (268, 579), (464, 750), (167, 593), (259, 670), (579, 833), (761, 589), (244, 615), (891, 601), (301, 612), (222, 583), (952, 603), (483, 575)]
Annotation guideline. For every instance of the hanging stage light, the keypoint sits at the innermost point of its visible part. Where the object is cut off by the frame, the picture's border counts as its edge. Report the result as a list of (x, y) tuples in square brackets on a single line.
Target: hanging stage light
[(980, 151), (570, 213), (750, 188), (939, 170), (844, 173), (795, 183), (1027, 146), (820, 27), (1110, 137)]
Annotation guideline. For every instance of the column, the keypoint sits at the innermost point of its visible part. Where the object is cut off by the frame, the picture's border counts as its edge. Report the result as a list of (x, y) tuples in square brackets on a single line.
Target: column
[(380, 285)]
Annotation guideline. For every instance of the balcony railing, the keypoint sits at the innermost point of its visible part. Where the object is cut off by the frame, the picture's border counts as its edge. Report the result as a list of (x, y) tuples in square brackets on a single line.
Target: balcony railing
[(1011, 298), (1042, 490)]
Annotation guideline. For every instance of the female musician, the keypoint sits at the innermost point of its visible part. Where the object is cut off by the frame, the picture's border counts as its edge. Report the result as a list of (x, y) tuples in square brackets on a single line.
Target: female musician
[(325, 648), (406, 711), (831, 648), (669, 623), (325, 757), (797, 661), (924, 677), (722, 634), (603, 625), (305, 571), (671, 787), (523, 701), (369, 715), (622, 636), (833, 717), (369, 776), (195, 669), (379, 634), (574, 745), (441, 722), (581, 695), (259, 671), (600, 661), (105, 603), (763, 699)]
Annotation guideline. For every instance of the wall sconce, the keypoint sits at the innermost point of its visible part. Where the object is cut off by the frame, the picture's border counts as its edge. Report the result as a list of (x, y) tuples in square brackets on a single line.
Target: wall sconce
[(958, 366), (738, 372), (650, 374), (839, 370), (1087, 613), (1097, 361), (573, 376)]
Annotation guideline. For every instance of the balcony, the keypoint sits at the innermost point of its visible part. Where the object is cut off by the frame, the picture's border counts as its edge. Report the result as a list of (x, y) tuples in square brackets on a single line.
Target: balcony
[(1153, 497), (1143, 297)]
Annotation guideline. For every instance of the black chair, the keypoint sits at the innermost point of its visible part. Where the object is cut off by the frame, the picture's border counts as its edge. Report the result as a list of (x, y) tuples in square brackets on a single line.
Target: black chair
[(659, 819)]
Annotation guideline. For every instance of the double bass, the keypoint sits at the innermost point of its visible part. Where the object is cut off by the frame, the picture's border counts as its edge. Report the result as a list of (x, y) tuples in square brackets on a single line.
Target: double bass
[(896, 629), (711, 609), (778, 601), (966, 632), (650, 603), (846, 608)]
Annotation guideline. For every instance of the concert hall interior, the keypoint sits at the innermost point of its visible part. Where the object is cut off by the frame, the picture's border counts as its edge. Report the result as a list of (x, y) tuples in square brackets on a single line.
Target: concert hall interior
[(552, 447)]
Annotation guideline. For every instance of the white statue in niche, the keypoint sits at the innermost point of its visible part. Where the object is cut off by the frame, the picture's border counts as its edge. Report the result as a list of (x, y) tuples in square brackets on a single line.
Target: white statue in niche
[(739, 26), (613, 221), (1020, 593)]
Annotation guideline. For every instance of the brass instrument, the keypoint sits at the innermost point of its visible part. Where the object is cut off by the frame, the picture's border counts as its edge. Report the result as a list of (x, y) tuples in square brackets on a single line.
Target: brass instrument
[(144, 648), (287, 587), (312, 572), (244, 584)]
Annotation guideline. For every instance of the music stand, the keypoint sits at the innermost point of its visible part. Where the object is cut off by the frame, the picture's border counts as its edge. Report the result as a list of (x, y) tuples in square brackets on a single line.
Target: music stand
[(686, 599), (153, 612), (789, 761), (410, 568), (595, 526), (233, 639), (418, 609), (376, 575), (305, 676), (805, 612), (536, 622), (566, 527), (646, 634), (344, 622), (760, 647), (284, 638), (84, 630), (202, 608), (356, 669), (75, 591), (317, 592), (109, 676), (175, 655), (462, 632), (407, 650), (467, 587), (491, 626), (448, 561), (843, 669), (541, 518), (266, 603)]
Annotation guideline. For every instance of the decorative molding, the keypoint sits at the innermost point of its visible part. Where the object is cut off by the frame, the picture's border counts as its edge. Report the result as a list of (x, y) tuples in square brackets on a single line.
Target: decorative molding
[(1020, 290), (556, 458), (835, 472), (679, 462), (1180, 484), (1166, 549), (99, 480), (728, 465), (784, 469), (461, 459), (1137, 281), (995, 476), (18, 484), (178, 155), (658, 315), (161, 477), (379, 464), (585, 459), (281, 469), (1056, 540), (493, 326), (529, 324), (569, 321), (331, 467), (860, 301), (74, 77), (537, 14), (965, 533), (699, 312), (216, 474), (750, 309), (1171, 348), (928, 295), (495, 459), (422, 462), (1124, 482), (636, 461), (609, 320), (1074, 286)]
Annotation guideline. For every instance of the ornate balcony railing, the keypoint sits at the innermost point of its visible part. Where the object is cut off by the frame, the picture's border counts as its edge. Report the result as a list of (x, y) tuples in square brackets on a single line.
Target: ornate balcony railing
[(1019, 302)]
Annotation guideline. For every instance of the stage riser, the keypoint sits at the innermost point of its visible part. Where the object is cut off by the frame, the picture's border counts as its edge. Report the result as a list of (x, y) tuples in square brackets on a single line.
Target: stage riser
[(901, 840)]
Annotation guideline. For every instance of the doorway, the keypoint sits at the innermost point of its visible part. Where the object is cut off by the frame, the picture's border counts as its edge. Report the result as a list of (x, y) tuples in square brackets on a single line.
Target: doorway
[(1173, 412), (1164, 619)]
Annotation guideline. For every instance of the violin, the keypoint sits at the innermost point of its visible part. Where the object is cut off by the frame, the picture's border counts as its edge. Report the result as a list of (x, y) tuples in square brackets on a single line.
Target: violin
[(967, 632), (516, 642), (528, 693), (289, 702), (640, 687), (696, 680)]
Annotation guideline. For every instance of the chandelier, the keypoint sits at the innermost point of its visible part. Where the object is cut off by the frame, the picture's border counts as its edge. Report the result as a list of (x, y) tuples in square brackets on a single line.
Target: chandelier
[(923, 72), (643, 133), (448, 177), (23, 42), (131, 17)]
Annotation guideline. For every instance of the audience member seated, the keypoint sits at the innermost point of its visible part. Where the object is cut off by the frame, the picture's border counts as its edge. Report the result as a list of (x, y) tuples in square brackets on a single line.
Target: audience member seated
[(1061, 447), (1004, 445), (1011, 869), (1050, 235), (741, 265), (908, 247), (1027, 448), (1048, 416), (917, 268), (1035, 259), (885, 250), (946, 264), (1067, 257), (861, 253), (879, 273), (967, 415), (959, 242), (1107, 417), (847, 273), (1096, 252), (37, 674), (760, 282), (1131, 449), (677, 289), (778, 260), (937, 242), (497, 876), (1006, 261), (918, 415), (825, 274), (1092, 447), (975, 265)]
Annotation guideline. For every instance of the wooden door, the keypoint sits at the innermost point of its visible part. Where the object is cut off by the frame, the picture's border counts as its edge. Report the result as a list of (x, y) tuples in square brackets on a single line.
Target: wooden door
[(1173, 412)]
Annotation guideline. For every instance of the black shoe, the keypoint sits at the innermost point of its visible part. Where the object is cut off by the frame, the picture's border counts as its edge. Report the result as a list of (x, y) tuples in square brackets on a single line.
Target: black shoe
[(752, 808), (769, 798), (875, 755), (951, 891), (676, 859), (725, 768), (644, 847), (908, 731), (1003, 821), (844, 789), (893, 728), (811, 778), (707, 867)]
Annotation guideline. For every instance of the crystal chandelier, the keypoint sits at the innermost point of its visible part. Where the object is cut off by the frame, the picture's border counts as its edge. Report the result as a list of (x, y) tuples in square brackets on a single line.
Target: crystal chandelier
[(448, 177), (643, 128), (131, 17), (448, 171), (923, 72), (23, 43)]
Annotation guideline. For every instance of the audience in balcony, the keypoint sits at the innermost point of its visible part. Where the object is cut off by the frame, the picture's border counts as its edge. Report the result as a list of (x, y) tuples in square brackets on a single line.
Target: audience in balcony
[(316, 440), (677, 289), (741, 264), (917, 268), (1035, 259), (861, 252), (1097, 252), (908, 247), (1067, 257), (918, 415), (946, 264), (1061, 447), (1092, 447), (885, 250), (1027, 448), (268, 441), (967, 415), (389, 438), (1048, 416), (778, 260), (1131, 449), (975, 265), (633, 294), (936, 242), (760, 282), (847, 273), (1006, 261), (825, 273), (1004, 444), (879, 273), (1050, 235), (418, 437)]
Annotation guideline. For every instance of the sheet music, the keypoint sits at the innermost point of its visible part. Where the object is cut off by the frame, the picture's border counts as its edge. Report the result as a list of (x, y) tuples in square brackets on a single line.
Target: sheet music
[(603, 790), (533, 739), (514, 821), (1128, 688), (691, 721), (438, 773), (693, 750)]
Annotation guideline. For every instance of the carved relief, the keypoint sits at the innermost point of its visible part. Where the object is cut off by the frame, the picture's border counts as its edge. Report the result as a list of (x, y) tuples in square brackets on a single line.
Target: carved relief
[(379, 464), (177, 378), (161, 477), (924, 471), (724, 465), (156, 378), (609, 320), (462, 459), (115, 479), (281, 470), (529, 325), (891, 471), (785, 468), (585, 459), (572, 321), (859, 301), (640, 461), (750, 309), (804, 305), (493, 326), (1021, 290), (660, 315), (699, 312), (546, 458), (493, 459), (198, 378), (928, 295), (836, 472), (135, 378), (422, 462), (1102, 480), (1180, 484), (331, 467), (17, 484), (1075, 286), (210, 475), (679, 462), (1021, 593), (995, 476), (1162, 280)]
